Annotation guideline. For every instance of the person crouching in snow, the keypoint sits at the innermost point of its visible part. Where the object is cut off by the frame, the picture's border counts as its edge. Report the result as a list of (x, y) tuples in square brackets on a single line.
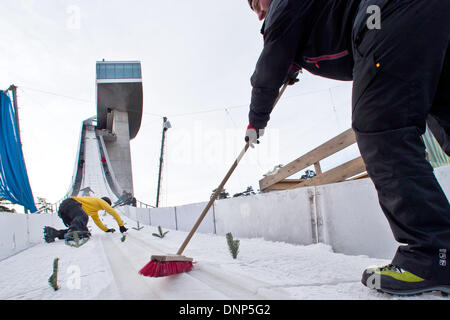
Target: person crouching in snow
[(75, 213)]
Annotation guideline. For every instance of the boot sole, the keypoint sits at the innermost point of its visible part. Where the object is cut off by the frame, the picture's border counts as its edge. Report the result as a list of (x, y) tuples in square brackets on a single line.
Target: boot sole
[(77, 241), (445, 291)]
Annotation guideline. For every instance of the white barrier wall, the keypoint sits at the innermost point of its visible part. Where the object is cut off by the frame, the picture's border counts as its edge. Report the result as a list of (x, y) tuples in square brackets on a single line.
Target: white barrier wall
[(142, 215), (276, 216), (345, 215), (16, 236), (20, 231), (164, 217), (352, 220), (188, 215)]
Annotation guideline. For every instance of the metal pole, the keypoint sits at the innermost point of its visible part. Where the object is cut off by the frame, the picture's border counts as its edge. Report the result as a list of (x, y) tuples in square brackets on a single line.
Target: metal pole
[(13, 89), (165, 128)]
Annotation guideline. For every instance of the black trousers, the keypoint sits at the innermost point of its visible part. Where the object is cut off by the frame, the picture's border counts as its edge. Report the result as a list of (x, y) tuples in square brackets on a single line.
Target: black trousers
[(401, 82), (73, 216)]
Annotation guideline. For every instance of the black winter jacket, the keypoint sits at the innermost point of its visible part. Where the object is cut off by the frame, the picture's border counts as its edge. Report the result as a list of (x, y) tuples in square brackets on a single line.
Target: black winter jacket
[(314, 34)]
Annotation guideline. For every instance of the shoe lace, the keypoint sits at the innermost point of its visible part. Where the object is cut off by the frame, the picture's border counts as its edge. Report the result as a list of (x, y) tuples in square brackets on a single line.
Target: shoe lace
[(392, 267)]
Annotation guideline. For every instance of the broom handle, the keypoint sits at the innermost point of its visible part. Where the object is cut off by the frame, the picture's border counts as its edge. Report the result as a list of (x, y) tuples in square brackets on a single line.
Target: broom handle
[(224, 181)]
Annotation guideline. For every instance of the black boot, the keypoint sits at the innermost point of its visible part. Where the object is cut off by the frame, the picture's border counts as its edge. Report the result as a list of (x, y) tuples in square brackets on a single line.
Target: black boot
[(50, 234), (397, 281)]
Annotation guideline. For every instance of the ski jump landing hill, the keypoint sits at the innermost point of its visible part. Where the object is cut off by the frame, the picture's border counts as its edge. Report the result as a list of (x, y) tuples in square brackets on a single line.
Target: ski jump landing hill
[(344, 215), (103, 162)]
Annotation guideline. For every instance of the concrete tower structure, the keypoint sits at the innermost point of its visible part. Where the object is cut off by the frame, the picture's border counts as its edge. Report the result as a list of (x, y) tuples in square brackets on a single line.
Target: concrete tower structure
[(119, 113)]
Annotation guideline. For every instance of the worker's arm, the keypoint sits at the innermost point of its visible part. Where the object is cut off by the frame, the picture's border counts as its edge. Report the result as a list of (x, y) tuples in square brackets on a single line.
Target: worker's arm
[(98, 222), (283, 38), (114, 213)]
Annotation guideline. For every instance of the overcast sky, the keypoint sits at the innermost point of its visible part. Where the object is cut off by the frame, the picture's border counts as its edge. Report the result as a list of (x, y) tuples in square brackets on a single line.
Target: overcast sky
[(197, 58)]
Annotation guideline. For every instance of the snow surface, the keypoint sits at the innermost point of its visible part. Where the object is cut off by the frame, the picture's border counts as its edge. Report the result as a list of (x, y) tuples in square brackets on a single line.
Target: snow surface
[(106, 268)]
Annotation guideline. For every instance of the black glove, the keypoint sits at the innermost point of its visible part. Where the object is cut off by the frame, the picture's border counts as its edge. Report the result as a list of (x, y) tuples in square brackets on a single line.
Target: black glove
[(123, 229), (293, 74), (111, 230)]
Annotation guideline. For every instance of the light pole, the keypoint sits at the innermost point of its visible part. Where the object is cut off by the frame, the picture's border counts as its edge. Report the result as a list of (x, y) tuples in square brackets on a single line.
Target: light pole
[(166, 126)]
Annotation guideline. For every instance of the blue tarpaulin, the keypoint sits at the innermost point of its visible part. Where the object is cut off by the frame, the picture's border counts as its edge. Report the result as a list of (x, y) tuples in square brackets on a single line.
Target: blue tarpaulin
[(14, 184)]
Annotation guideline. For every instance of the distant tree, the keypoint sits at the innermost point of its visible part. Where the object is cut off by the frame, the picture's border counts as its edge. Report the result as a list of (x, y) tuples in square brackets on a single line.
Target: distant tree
[(247, 192), (309, 174), (222, 195), (44, 205), (4, 206)]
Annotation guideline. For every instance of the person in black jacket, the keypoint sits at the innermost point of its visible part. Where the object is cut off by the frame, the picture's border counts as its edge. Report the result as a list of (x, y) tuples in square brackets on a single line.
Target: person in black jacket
[(400, 67)]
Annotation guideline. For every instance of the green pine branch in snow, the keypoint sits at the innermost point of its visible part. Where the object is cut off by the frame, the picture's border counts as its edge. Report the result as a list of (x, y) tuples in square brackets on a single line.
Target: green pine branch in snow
[(161, 234), (233, 245), (53, 280)]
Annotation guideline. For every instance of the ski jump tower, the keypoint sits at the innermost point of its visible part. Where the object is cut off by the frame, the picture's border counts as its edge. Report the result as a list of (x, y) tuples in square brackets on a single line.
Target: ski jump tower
[(119, 113)]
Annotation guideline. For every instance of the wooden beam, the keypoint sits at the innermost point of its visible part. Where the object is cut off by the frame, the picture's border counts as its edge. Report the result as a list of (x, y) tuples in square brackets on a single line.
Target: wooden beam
[(317, 168), (332, 146), (284, 184), (338, 174), (363, 175)]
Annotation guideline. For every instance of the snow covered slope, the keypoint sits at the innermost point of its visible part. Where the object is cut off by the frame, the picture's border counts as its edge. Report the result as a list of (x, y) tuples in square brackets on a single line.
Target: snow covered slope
[(93, 175), (107, 268)]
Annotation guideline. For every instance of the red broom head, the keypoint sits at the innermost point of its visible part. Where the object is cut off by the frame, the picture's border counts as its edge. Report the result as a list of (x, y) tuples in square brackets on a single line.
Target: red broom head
[(158, 269)]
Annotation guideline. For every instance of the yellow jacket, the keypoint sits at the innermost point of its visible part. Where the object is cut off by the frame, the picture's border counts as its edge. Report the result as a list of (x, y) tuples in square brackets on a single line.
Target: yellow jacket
[(92, 205)]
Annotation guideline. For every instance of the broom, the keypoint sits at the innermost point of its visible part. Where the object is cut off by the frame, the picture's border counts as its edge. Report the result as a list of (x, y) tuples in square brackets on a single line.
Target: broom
[(167, 265)]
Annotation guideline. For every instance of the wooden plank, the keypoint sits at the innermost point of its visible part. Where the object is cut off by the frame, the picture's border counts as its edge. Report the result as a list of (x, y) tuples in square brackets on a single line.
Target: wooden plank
[(334, 145), (171, 257), (284, 184), (338, 174), (317, 168), (363, 175)]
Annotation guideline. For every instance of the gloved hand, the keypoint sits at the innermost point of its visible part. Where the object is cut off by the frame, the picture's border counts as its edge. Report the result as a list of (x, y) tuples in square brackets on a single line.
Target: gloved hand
[(252, 135), (111, 230), (293, 74), (123, 229)]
